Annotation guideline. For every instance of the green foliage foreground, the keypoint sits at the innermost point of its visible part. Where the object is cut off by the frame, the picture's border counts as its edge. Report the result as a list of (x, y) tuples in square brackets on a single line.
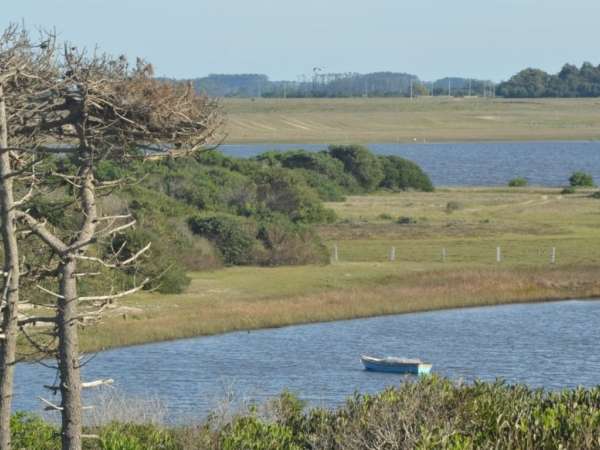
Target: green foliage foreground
[(431, 413)]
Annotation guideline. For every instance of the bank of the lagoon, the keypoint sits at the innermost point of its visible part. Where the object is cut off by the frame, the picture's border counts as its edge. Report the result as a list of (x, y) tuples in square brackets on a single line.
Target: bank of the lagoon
[(439, 119), (526, 224), (542, 163), (551, 345)]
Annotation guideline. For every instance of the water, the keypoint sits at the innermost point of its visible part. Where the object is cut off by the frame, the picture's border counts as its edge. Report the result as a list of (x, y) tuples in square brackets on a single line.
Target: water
[(478, 164), (552, 345)]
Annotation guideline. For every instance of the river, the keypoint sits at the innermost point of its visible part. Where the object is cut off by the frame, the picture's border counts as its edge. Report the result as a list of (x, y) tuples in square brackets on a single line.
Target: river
[(551, 345)]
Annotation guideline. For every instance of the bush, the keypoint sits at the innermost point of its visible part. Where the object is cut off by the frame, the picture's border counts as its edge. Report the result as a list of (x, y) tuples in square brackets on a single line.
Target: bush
[(136, 437), (32, 433), (363, 165), (161, 264), (405, 220), (568, 190), (251, 433), (402, 174), (287, 243), (235, 237), (285, 192), (581, 179), (518, 182)]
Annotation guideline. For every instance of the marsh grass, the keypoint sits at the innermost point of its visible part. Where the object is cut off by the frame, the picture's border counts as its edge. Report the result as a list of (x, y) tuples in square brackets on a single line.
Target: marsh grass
[(377, 291)]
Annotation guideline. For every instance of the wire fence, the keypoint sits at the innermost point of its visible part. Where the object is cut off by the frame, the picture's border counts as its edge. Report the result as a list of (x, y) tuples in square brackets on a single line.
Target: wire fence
[(571, 251)]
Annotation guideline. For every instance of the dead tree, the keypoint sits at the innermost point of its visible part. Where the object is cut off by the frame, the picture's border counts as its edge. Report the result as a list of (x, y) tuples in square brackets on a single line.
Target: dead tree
[(24, 69), (103, 109)]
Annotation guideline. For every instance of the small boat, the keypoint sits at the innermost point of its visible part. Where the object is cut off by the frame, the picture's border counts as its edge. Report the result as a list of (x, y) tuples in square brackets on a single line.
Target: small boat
[(396, 365)]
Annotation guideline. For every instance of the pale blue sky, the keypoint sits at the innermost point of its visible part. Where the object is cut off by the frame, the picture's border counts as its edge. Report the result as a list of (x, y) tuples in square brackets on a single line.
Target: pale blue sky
[(489, 39)]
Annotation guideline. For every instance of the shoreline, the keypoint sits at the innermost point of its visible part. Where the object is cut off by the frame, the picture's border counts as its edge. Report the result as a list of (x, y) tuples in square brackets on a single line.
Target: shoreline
[(528, 286), (422, 311)]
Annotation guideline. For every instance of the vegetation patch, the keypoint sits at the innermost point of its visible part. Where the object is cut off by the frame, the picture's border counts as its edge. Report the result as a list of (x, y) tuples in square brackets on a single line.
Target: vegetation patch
[(427, 413)]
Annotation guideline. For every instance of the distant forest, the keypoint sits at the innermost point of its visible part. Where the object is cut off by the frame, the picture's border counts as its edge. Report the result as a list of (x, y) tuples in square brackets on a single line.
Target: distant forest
[(571, 81), (378, 84)]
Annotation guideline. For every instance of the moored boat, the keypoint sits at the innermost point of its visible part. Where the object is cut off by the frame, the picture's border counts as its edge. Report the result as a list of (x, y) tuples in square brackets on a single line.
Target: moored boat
[(396, 365)]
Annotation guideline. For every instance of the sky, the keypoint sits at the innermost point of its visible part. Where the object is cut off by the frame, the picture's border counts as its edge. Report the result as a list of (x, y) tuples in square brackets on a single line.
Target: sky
[(484, 39)]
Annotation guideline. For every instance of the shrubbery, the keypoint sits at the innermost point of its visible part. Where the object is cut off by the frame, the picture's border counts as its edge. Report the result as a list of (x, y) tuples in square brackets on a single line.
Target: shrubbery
[(402, 174), (234, 236), (518, 182), (581, 179), (429, 413), (257, 210), (363, 165)]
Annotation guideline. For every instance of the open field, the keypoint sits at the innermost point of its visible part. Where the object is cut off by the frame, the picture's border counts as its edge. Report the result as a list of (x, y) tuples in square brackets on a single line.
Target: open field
[(526, 223), (371, 120)]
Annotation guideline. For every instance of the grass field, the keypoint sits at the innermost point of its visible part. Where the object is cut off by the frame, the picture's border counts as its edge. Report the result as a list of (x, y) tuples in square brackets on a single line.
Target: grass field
[(425, 119), (526, 223)]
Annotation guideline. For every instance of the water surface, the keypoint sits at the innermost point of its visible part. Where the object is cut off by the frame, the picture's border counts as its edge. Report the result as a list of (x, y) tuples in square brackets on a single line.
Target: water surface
[(552, 345), (548, 163)]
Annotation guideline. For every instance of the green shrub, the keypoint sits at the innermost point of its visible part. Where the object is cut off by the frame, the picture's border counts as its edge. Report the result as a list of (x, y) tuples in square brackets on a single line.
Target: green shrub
[(363, 165), (32, 433), (107, 170), (321, 171), (568, 190), (581, 179), (136, 437), (285, 192), (288, 243), (161, 263), (402, 174), (235, 237), (250, 433), (595, 194), (518, 182), (384, 216)]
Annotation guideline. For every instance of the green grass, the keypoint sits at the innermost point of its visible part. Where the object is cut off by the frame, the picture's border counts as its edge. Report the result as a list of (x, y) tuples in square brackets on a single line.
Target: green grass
[(369, 120), (525, 223)]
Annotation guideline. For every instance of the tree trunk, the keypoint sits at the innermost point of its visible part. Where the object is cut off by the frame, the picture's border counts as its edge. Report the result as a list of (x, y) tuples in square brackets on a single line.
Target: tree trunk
[(68, 333), (70, 380), (10, 292)]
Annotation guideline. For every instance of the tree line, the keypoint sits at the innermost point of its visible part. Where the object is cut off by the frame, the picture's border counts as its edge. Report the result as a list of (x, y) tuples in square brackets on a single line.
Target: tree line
[(571, 81), (332, 85)]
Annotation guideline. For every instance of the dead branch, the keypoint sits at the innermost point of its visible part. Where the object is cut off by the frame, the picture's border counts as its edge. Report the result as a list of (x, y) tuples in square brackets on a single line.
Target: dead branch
[(115, 296)]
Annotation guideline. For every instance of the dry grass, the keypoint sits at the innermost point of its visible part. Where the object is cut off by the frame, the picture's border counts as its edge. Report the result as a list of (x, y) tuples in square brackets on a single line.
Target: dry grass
[(368, 120), (391, 293)]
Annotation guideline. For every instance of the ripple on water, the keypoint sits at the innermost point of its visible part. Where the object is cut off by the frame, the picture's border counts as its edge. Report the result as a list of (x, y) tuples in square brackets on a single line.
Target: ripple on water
[(552, 345)]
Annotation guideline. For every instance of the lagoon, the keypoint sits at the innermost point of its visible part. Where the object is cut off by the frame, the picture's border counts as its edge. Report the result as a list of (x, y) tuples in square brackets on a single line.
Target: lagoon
[(547, 163), (550, 345)]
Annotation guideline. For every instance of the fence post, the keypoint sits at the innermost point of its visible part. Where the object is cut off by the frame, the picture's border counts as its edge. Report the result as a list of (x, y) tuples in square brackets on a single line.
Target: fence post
[(334, 257), (393, 254), (444, 254), (498, 254), (553, 256)]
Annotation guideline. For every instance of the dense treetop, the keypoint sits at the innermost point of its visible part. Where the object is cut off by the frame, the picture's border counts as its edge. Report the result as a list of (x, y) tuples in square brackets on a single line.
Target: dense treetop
[(571, 81)]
